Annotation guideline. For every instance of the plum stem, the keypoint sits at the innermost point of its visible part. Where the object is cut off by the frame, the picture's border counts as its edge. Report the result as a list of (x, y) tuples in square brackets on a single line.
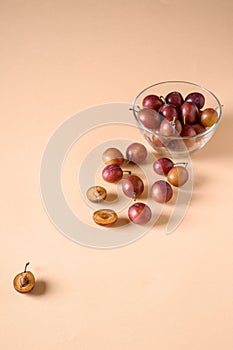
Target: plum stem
[(25, 269), (163, 99), (183, 163), (173, 125), (132, 109), (173, 121), (127, 172)]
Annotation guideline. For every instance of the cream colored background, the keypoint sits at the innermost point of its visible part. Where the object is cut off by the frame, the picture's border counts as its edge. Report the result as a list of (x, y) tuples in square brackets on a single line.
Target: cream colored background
[(162, 292)]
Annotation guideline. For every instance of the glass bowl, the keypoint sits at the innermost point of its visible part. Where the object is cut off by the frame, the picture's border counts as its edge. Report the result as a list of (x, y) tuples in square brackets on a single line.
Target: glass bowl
[(177, 146)]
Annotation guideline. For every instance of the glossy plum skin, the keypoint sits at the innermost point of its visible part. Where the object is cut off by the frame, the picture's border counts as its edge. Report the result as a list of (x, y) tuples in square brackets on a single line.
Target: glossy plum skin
[(161, 191), (189, 113), (139, 213), (197, 98), (162, 166), (112, 155), (112, 173), (170, 128), (152, 102), (136, 152), (132, 186), (178, 176), (208, 117), (198, 128), (169, 112), (149, 118), (175, 98)]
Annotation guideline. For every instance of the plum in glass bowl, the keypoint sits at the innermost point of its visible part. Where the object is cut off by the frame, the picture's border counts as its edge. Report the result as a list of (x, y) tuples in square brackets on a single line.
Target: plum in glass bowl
[(177, 117)]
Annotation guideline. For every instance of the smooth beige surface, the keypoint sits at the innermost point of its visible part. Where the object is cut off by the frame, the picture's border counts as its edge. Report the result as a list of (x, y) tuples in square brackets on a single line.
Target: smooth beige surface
[(162, 292)]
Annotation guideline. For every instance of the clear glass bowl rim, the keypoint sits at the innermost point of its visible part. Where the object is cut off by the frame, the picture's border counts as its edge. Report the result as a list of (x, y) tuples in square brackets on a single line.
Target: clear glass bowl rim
[(206, 132)]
